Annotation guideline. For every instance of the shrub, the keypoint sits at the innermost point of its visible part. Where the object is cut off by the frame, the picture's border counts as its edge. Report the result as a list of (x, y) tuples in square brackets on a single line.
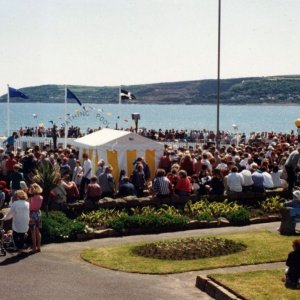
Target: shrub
[(100, 218), (204, 216), (189, 248), (272, 205), (57, 227), (147, 222), (238, 217), (214, 209)]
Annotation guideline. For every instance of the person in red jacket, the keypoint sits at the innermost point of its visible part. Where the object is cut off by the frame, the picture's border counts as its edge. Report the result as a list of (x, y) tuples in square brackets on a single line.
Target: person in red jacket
[(184, 185)]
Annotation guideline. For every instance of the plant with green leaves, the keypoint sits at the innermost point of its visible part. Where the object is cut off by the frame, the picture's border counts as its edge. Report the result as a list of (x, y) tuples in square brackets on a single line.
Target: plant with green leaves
[(48, 177), (272, 205), (58, 227), (99, 218)]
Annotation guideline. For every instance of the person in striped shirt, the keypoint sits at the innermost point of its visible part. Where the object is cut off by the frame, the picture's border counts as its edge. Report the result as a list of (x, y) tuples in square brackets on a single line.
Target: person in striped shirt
[(162, 187)]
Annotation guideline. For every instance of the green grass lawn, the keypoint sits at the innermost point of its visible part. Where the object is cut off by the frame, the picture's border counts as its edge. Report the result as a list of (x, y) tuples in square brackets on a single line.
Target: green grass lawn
[(258, 285), (262, 247)]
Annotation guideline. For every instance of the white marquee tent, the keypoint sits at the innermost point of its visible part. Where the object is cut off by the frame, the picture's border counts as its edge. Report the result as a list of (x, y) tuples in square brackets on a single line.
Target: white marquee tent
[(119, 149)]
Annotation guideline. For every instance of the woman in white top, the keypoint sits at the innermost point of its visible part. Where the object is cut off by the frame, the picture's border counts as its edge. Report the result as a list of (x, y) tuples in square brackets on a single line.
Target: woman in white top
[(19, 212)]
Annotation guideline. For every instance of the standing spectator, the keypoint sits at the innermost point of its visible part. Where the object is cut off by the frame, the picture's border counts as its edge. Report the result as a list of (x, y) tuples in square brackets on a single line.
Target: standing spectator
[(187, 164), (291, 165), (35, 222), (77, 174), (107, 183), (19, 212), (10, 164), (65, 168), (86, 174), (141, 160), (10, 142), (165, 162), (139, 179), (15, 178)]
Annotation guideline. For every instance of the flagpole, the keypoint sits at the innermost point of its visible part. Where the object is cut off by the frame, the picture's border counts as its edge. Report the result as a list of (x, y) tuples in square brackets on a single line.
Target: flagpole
[(119, 107), (7, 112), (66, 131)]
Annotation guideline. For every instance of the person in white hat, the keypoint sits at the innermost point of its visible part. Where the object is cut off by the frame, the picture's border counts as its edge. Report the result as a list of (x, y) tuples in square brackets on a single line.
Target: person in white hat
[(295, 203)]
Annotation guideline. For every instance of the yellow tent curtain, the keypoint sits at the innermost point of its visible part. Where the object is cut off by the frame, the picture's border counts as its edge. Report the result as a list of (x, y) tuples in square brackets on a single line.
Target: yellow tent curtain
[(150, 159), (131, 157), (112, 159)]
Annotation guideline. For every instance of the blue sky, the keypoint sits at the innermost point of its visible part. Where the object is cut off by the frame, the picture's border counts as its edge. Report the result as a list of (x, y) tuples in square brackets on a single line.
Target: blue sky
[(124, 42)]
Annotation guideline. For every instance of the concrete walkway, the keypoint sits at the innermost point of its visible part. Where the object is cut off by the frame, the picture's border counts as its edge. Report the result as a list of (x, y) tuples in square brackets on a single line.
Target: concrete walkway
[(59, 273)]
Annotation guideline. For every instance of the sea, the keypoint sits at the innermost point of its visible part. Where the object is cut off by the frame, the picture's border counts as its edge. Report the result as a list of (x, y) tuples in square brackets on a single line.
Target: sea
[(247, 118)]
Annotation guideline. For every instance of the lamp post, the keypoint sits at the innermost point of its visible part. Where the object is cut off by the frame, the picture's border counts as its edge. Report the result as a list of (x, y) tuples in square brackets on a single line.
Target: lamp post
[(218, 138), (136, 117), (297, 123)]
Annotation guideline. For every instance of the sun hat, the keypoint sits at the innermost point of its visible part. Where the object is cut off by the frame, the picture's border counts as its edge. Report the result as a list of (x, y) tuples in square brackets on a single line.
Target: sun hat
[(21, 195), (23, 185), (296, 195), (35, 189)]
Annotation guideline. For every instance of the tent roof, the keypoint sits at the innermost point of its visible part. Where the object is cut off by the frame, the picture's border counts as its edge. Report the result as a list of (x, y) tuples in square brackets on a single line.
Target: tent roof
[(108, 137)]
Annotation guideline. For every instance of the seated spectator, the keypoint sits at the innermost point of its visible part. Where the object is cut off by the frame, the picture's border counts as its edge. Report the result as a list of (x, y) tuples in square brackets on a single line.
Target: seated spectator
[(258, 179), (247, 176), (276, 176), (293, 264), (126, 188), (184, 185), (2, 196), (93, 191), (71, 189), (195, 184), (162, 187), (268, 181), (235, 180), (121, 177), (216, 184)]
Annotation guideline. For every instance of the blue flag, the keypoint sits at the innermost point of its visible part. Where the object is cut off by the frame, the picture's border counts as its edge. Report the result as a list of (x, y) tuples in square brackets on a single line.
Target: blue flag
[(13, 93), (70, 95)]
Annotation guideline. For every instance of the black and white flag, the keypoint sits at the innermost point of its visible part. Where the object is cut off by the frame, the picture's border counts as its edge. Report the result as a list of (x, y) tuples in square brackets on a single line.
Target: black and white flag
[(125, 95)]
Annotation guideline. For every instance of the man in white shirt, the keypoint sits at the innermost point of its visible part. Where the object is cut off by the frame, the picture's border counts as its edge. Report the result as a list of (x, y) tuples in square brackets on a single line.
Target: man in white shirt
[(268, 180), (87, 173), (235, 180), (247, 176)]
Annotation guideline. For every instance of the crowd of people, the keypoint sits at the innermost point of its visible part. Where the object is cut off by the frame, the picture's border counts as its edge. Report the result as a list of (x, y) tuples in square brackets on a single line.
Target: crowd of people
[(167, 135), (266, 161)]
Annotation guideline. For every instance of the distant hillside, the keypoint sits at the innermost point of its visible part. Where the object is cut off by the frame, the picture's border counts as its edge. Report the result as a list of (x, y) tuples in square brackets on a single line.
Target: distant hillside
[(274, 89)]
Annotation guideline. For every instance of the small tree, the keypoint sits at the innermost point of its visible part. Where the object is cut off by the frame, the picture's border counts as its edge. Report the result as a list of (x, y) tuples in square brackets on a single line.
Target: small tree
[(48, 177)]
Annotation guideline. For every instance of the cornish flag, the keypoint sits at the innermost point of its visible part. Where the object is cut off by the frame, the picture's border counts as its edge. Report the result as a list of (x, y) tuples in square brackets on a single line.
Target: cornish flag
[(125, 95)]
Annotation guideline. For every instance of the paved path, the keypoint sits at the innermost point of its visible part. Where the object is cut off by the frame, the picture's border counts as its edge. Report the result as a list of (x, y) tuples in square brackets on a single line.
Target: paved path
[(59, 273)]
